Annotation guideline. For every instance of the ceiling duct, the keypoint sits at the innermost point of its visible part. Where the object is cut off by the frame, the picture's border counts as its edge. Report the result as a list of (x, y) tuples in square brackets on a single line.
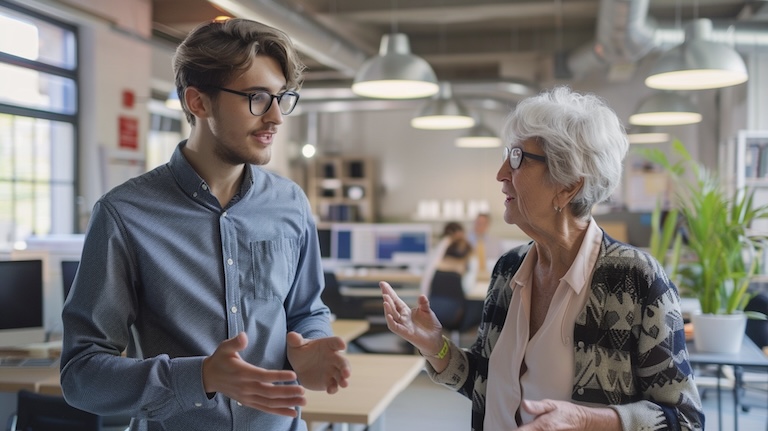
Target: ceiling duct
[(625, 33), (310, 37)]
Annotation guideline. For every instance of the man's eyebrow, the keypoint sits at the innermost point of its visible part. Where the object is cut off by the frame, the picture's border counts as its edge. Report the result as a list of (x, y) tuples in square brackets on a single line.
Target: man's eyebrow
[(258, 88)]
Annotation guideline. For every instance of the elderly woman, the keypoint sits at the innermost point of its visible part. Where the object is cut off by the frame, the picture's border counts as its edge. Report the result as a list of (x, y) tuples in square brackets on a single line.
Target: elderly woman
[(579, 331)]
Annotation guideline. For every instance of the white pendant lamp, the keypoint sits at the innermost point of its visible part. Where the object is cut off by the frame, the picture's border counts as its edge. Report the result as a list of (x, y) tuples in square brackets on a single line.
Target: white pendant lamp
[(479, 136), (646, 135), (395, 73), (443, 112), (698, 63), (665, 109)]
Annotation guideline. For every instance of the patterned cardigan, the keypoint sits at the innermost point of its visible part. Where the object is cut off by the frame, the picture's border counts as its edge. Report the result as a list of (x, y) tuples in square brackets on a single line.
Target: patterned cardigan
[(628, 343)]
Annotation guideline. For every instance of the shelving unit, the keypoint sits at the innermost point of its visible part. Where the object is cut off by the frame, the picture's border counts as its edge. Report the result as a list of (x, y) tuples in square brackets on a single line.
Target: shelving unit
[(751, 168), (342, 188)]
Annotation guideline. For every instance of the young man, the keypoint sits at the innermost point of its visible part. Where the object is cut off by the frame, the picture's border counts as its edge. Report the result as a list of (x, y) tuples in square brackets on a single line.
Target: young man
[(206, 271)]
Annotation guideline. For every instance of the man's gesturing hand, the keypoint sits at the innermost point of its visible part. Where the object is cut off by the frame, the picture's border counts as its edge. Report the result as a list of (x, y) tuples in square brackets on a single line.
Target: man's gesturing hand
[(319, 363), (227, 373)]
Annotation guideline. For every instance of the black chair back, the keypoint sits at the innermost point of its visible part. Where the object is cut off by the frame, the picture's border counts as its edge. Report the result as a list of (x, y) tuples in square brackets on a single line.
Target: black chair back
[(447, 300), (38, 412), (757, 330)]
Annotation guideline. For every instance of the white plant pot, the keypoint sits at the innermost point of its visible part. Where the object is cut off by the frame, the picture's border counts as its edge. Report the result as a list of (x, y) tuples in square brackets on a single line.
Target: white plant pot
[(718, 333)]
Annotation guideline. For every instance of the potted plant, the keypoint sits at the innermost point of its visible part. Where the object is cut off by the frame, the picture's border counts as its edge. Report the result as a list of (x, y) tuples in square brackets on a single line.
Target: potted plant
[(722, 254)]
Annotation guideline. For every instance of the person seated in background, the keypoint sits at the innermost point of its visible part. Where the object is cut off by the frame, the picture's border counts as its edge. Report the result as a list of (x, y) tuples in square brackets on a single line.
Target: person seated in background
[(579, 331), (487, 247), (451, 254)]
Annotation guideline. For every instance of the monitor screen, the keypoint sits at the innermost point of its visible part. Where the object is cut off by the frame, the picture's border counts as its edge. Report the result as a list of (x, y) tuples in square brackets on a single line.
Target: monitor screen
[(21, 302), (367, 244), (68, 271)]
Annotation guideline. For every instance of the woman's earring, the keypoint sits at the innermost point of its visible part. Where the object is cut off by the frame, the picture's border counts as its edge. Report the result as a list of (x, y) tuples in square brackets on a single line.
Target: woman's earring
[(558, 209)]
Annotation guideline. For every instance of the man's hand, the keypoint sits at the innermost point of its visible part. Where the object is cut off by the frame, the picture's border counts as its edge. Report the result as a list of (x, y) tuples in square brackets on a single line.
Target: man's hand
[(227, 373), (319, 363)]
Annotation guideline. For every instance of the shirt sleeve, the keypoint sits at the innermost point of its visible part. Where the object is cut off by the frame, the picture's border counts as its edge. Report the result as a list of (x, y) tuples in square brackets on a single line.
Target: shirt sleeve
[(97, 316)]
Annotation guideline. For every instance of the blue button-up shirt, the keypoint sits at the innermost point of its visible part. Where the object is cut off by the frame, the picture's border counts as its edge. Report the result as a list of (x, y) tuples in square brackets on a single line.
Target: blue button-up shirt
[(167, 274)]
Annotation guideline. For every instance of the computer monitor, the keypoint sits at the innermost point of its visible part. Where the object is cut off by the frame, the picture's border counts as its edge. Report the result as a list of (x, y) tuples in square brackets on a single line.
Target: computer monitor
[(68, 271), (380, 244), (21, 302)]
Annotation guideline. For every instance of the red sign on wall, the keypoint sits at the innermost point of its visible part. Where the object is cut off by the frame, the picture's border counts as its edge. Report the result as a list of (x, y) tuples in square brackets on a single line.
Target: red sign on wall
[(128, 132)]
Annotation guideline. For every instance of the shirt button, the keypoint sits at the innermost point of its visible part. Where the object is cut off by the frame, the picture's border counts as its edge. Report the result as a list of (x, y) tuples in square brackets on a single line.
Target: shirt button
[(581, 344), (230, 261), (194, 194), (239, 403), (224, 214), (580, 391), (234, 309), (205, 187), (198, 404)]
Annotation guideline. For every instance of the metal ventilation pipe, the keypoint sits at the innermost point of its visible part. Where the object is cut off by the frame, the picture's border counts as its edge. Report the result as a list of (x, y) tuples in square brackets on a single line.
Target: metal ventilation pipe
[(309, 36), (625, 32)]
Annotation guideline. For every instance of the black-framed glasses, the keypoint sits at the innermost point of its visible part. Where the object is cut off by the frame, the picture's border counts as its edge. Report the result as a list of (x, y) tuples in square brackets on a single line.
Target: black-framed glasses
[(515, 156), (260, 100)]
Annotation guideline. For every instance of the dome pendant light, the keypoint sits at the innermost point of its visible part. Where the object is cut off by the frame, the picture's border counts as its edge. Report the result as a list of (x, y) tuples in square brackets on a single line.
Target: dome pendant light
[(698, 63), (443, 112), (479, 136), (395, 73), (665, 109)]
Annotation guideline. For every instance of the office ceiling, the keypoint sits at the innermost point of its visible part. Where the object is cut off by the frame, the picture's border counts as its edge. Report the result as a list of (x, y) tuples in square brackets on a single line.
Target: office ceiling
[(463, 40)]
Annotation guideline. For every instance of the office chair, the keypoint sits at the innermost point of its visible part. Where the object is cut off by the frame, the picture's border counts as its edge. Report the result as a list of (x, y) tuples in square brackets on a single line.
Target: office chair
[(344, 307), (38, 412), (68, 271), (450, 305), (754, 380)]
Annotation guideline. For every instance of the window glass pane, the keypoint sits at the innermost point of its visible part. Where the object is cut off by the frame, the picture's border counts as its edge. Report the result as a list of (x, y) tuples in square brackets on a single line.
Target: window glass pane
[(62, 142), (63, 217), (42, 208), (6, 212), (23, 149), (34, 39), (6, 146), (24, 209), (32, 89)]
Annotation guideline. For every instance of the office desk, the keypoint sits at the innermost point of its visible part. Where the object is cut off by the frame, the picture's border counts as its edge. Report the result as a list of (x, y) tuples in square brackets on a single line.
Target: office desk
[(749, 356), (376, 380), (46, 380), (374, 276), (349, 329), (410, 290)]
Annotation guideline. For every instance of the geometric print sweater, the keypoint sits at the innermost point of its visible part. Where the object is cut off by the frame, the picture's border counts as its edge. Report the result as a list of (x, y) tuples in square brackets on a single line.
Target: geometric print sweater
[(628, 343)]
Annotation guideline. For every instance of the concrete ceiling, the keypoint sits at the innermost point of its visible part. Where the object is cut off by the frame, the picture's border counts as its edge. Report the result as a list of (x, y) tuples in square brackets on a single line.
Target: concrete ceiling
[(463, 40)]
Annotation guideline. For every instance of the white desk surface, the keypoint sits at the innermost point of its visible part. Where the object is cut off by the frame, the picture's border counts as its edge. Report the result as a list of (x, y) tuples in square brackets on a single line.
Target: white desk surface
[(376, 380), (46, 379)]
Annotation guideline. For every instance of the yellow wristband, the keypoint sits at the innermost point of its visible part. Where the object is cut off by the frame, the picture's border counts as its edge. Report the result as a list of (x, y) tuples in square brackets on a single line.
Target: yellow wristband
[(443, 351)]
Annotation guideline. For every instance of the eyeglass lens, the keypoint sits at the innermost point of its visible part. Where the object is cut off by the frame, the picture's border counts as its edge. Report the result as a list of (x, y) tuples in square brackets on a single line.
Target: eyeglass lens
[(515, 156), (261, 101)]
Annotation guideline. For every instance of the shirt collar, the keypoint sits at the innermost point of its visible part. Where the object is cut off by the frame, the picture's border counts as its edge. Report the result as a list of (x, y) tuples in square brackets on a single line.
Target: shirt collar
[(580, 272)]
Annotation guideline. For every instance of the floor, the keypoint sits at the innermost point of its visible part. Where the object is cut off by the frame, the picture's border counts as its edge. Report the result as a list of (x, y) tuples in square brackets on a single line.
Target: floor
[(424, 405)]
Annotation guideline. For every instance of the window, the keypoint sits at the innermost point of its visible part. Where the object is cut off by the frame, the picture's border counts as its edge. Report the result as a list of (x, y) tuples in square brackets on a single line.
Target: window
[(38, 125)]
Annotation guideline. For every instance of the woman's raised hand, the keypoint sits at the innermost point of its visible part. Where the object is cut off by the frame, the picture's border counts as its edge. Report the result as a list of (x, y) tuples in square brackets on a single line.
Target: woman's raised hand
[(419, 326)]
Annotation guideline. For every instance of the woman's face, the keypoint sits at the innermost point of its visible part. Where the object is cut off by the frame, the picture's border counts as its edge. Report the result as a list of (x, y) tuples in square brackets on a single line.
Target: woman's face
[(529, 193)]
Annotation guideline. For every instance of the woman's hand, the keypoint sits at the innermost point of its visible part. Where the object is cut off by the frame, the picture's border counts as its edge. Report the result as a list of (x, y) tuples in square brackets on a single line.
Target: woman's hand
[(419, 326), (551, 415)]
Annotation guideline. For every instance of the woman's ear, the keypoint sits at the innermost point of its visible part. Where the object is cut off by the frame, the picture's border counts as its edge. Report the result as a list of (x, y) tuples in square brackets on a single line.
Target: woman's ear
[(566, 195)]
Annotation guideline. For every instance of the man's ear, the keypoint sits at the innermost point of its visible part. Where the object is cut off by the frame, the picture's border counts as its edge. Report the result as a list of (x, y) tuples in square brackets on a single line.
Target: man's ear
[(198, 103)]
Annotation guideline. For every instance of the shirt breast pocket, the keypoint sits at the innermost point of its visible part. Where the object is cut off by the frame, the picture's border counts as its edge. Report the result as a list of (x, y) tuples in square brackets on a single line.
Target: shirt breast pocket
[(274, 267)]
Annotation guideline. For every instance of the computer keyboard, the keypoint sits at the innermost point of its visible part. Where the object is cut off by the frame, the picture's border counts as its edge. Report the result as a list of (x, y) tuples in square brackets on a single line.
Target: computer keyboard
[(28, 362)]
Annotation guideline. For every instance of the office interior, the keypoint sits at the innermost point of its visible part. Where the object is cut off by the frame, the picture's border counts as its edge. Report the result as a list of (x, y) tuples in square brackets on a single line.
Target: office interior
[(113, 121)]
